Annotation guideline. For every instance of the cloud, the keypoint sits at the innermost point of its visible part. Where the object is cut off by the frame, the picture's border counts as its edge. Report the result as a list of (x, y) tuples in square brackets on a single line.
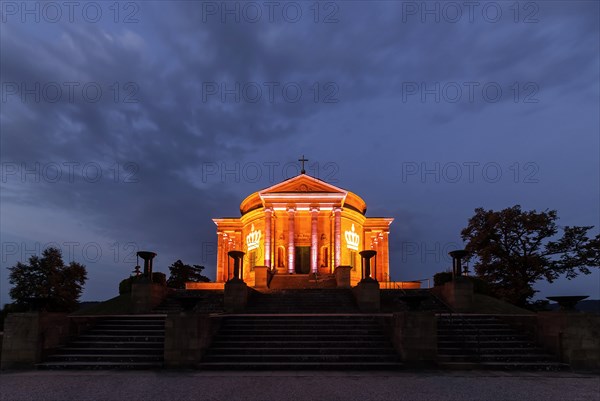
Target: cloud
[(180, 90)]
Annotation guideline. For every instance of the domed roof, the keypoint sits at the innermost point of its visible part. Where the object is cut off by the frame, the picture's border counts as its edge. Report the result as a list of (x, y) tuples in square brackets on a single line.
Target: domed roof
[(303, 189)]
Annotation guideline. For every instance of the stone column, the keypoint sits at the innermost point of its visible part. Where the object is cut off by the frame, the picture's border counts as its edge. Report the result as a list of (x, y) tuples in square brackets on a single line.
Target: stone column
[(337, 235), (291, 246), (366, 264), (385, 255), (220, 268), (238, 265), (226, 260), (268, 213), (314, 240), (378, 258), (236, 290)]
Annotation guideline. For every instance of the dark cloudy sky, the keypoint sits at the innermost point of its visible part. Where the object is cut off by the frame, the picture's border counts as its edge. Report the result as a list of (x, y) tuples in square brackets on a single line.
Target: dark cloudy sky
[(129, 127)]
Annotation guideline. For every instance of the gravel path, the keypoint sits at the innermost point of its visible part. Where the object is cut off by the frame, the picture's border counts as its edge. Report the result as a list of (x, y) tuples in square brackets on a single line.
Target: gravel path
[(280, 386)]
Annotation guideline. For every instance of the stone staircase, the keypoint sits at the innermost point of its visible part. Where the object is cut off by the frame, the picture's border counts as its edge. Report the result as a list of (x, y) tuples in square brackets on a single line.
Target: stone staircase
[(200, 301), (398, 300), (486, 342), (116, 342), (280, 342), (302, 281), (302, 301), (169, 305)]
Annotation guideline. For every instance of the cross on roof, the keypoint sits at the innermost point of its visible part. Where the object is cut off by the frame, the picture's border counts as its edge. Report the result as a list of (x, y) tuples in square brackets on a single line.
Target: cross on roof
[(302, 161)]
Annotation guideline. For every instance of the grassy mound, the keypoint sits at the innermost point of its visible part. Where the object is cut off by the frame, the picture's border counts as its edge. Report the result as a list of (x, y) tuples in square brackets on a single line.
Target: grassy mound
[(486, 304), (119, 305)]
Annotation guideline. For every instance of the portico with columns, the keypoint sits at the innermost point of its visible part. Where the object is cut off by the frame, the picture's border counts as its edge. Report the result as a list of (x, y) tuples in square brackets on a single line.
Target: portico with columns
[(303, 225)]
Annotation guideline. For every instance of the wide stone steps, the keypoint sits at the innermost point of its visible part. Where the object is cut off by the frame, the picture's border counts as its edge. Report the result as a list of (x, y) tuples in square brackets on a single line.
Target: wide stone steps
[(138, 332), (291, 343), (287, 365), (302, 281), (301, 342), (116, 342), (533, 366), (105, 357), (500, 357), (449, 351), (302, 332), (100, 365), (130, 338), (396, 300), (169, 305), (297, 337), (200, 301), (485, 342), (303, 301), (307, 350), (482, 337), (129, 326), (293, 358), (112, 351)]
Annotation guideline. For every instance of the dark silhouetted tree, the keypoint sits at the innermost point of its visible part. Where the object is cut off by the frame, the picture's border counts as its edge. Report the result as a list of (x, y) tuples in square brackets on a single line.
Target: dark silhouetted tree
[(181, 273), (47, 282), (513, 249)]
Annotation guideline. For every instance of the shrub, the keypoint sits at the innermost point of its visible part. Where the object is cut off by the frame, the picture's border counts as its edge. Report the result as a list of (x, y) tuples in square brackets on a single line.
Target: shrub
[(125, 285), (480, 286), (442, 278), (159, 278)]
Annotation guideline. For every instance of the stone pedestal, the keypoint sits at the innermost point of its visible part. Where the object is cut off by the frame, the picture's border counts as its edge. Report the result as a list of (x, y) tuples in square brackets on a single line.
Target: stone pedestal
[(574, 337), (367, 295), (146, 296), (414, 335), (236, 296), (342, 276), (187, 336), (261, 276), (458, 294), (28, 337)]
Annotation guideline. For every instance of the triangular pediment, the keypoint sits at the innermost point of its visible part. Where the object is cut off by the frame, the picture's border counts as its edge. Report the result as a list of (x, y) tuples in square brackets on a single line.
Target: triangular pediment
[(303, 184)]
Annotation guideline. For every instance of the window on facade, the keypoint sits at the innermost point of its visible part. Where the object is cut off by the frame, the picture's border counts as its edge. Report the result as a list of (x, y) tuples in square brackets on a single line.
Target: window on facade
[(280, 257), (325, 256), (353, 260), (252, 260)]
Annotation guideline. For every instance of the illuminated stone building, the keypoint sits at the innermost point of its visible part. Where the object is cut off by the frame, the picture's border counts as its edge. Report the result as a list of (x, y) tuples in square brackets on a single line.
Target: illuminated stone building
[(303, 225)]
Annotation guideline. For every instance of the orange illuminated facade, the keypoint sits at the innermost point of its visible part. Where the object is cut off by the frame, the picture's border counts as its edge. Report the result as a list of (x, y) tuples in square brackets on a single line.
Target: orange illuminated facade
[(303, 225)]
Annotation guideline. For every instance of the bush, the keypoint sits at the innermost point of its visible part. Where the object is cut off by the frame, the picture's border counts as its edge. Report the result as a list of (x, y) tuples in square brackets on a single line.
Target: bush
[(442, 278), (480, 286), (540, 305), (125, 285), (159, 278)]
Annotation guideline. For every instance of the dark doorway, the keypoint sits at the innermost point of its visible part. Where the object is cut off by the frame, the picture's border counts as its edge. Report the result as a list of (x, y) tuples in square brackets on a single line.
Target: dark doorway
[(302, 263)]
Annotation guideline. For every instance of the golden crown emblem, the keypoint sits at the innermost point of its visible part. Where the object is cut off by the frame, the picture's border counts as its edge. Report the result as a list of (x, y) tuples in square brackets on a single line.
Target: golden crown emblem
[(253, 238), (352, 239)]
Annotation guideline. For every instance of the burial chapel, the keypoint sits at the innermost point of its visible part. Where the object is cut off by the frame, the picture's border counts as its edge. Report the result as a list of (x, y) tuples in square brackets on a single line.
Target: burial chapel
[(303, 225)]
